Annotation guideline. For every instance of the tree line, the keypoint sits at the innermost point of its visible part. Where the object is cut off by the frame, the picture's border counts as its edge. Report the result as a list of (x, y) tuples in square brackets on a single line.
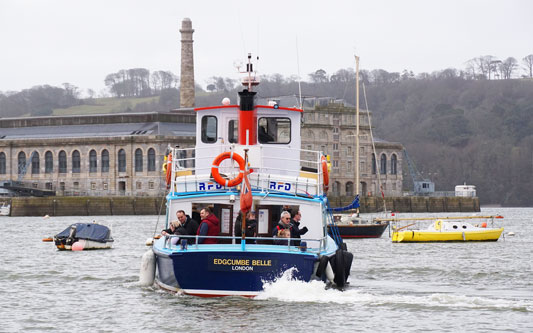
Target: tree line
[(139, 82)]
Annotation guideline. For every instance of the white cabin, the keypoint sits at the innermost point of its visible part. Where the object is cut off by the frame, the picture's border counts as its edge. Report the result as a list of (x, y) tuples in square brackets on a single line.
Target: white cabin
[(465, 191)]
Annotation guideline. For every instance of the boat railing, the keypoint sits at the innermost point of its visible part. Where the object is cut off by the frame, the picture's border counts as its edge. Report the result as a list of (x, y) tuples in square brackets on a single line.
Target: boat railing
[(407, 222), (302, 248), (272, 170)]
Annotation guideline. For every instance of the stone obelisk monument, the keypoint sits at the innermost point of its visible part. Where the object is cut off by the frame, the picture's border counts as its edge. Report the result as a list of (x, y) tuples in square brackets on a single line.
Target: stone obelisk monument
[(187, 65)]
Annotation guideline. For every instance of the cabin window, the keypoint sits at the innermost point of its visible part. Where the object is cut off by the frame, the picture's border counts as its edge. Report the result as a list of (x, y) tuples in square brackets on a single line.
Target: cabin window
[(274, 130), (233, 131), (209, 129)]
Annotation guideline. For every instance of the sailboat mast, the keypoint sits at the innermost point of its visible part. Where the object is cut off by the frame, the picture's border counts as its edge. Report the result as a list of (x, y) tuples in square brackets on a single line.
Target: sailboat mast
[(357, 149)]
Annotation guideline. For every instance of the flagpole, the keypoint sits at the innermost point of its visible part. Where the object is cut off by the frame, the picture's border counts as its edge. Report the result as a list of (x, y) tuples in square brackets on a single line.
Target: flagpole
[(243, 216)]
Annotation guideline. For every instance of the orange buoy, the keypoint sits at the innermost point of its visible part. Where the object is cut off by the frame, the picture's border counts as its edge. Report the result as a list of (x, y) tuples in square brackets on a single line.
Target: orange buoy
[(216, 174), (484, 224), (325, 174), (169, 170), (48, 239)]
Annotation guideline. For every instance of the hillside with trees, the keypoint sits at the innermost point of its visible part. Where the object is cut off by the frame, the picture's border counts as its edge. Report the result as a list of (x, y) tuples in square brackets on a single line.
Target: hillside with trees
[(473, 125)]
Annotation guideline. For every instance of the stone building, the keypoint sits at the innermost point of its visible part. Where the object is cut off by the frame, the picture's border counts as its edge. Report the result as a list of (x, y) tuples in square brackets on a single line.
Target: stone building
[(329, 126), (114, 154)]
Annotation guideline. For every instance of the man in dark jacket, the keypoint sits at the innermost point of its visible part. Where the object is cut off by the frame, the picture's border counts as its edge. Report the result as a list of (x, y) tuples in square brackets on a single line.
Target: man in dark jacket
[(210, 226), (187, 226), (296, 231)]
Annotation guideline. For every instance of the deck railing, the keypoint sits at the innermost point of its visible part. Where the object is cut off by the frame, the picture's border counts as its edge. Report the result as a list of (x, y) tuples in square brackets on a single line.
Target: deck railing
[(191, 170), (292, 248)]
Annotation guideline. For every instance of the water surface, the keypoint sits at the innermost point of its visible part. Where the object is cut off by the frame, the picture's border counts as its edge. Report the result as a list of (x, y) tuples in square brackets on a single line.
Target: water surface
[(476, 287)]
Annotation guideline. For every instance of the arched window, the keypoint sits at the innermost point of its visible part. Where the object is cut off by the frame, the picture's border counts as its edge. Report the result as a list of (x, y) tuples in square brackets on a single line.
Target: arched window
[(151, 159), (138, 160), (93, 163), (2, 163), (62, 157), (21, 163), (383, 165), (374, 164), (349, 189), (35, 163), (337, 188), (105, 160), (76, 161), (393, 164), (48, 162), (121, 161)]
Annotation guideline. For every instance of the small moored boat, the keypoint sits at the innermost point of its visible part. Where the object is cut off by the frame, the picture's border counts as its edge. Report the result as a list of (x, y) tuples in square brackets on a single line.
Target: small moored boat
[(84, 236), (5, 209), (447, 229)]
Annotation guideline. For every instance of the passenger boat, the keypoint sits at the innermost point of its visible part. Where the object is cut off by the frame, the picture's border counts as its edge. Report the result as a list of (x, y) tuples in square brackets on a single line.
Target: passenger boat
[(447, 229), (5, 209), (84, 236), (246, 155)]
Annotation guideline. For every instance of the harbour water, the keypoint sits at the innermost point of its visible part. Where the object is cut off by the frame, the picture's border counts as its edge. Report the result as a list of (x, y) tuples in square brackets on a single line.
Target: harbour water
[(475, 287)]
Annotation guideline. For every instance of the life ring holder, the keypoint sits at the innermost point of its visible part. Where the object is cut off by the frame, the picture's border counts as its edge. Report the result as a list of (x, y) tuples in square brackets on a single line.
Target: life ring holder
[(169, 170), (325, 174), (216, 174)]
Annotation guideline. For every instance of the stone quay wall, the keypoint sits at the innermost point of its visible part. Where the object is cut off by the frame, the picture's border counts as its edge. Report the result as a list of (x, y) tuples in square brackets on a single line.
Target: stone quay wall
[(86, 206), (94, 206), (413, 204)]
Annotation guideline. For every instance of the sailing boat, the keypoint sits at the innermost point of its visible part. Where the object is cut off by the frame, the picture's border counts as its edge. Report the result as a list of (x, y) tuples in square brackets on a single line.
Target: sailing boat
[(354, 226)]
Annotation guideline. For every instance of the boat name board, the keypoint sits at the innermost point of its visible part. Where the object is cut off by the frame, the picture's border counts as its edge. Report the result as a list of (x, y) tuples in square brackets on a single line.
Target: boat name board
[(217, 263)]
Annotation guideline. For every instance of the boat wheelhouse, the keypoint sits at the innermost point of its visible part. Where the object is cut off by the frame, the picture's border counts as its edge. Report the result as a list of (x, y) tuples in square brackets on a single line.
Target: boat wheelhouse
[(260, 144)]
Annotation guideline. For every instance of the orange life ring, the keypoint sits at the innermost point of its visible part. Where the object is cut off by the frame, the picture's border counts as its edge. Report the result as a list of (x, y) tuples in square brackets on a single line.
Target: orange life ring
[(169, 169), (325, 174), (216, 174)]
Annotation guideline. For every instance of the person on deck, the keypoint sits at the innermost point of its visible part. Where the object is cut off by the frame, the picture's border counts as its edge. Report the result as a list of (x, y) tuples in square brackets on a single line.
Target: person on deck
[(173, 229), (251, 226), (210, 226), (296, 231), (187, 225), (281, 239), (284, 223)]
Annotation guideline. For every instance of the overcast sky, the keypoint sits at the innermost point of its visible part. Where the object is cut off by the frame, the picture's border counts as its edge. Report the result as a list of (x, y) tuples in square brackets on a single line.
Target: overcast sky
[(80, 42)]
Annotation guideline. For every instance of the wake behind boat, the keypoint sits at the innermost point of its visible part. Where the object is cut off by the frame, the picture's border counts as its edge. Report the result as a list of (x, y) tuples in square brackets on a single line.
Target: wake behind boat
[(246, 155), (446, 229)]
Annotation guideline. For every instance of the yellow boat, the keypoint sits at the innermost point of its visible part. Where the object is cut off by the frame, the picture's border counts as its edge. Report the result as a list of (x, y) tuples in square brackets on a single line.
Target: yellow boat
[(448, 229)]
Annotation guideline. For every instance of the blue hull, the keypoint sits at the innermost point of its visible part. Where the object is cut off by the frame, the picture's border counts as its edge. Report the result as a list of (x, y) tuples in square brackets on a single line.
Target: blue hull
[(217, 271)]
